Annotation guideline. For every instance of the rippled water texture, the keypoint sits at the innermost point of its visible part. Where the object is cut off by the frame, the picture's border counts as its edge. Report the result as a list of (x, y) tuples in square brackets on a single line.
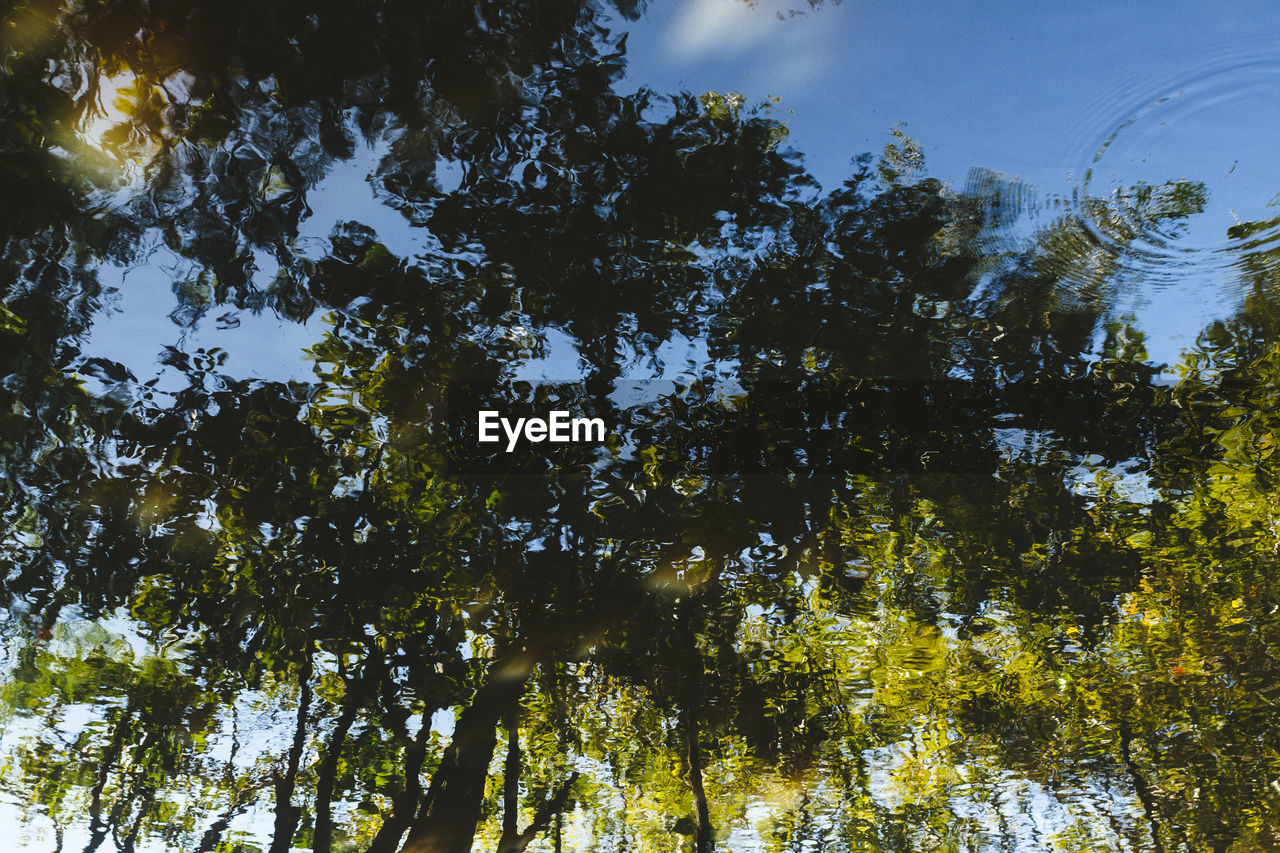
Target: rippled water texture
[(936, 351), (1214, 128)]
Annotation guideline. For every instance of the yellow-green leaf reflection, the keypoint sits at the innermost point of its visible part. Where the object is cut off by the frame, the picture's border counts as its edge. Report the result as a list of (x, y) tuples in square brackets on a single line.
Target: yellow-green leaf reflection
[(897, 540)]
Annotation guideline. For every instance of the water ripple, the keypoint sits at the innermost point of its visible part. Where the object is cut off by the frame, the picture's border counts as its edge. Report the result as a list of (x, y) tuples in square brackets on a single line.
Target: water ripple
[(1182, 180)]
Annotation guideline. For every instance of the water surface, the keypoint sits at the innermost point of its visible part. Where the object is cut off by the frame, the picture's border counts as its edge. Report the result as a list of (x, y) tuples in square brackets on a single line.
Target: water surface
[(938, 352)]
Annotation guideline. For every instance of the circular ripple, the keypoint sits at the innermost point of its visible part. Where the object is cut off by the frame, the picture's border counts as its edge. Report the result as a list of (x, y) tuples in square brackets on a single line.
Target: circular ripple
[(1188, 181)]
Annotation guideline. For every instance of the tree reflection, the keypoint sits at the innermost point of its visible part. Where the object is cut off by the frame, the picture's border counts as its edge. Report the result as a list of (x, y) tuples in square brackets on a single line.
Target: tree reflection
[(942, 556)]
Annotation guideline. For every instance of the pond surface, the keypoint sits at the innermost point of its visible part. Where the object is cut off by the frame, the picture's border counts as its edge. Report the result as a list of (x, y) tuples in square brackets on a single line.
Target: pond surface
[(937, 357)]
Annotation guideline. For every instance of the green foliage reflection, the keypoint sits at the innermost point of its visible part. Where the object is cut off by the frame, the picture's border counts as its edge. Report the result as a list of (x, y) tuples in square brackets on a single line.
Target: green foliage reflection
[(922, 556)]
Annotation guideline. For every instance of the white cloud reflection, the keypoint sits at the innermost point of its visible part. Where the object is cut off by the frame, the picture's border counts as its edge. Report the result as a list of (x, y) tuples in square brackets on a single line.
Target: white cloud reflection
[(790, 42)]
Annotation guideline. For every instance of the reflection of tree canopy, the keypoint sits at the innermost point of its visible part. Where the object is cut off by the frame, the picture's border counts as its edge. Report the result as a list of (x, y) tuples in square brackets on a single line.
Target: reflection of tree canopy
[(938, 565)]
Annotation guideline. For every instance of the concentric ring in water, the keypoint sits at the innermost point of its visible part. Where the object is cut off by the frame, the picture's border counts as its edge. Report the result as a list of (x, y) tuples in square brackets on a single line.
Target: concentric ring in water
[(1187, 183)]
